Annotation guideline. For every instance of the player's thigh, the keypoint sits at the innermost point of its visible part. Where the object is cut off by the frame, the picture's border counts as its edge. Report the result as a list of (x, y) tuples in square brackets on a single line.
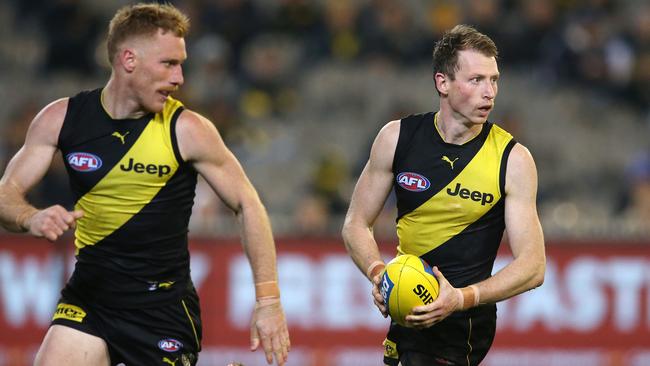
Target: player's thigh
[(67, 346)]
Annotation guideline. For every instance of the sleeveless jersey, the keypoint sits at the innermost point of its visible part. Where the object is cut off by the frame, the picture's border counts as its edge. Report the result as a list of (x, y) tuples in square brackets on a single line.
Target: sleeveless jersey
[(450, 201), (450, 197), (136, 193)]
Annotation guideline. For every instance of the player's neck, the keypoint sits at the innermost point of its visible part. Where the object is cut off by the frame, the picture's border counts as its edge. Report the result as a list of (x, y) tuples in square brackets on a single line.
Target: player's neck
[(455, 130), (119, 102)]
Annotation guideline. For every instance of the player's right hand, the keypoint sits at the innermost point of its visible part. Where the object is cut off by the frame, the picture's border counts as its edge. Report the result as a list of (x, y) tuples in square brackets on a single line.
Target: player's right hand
[(52, 222), (376, 295), (269, 327)]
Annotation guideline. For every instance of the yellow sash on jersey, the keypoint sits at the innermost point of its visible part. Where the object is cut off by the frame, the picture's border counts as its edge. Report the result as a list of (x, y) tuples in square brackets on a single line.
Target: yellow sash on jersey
[(462, 202), (132, 183)]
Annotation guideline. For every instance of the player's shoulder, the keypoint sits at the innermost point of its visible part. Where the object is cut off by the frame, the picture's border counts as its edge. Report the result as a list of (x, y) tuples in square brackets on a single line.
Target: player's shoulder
[(190, 121), (391, 127), (520, 161), (195, 134), (56, 108), (389, 133), (52, 115), (520, 153), (47, 124)]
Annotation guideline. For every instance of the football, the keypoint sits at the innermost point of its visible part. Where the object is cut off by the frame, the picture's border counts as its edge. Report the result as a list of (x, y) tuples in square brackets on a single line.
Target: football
[(407, 281)]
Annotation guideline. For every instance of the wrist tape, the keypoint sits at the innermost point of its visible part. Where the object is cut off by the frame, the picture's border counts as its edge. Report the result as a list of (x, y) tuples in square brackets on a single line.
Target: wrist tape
[(470, 296), (374, 269), (267, 289)]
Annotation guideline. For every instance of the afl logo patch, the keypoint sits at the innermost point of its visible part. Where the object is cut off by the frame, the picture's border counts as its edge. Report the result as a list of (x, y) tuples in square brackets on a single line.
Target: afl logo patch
[(413, 182), (84, 162), (169, 345)]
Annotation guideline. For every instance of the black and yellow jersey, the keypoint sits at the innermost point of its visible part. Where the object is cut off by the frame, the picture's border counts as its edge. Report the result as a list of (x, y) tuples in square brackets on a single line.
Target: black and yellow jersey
[(450, 202), (450, 198), (136, 193)]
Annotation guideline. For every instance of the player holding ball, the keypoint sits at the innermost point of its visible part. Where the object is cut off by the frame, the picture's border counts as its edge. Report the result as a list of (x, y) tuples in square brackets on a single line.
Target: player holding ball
[(459, 181)]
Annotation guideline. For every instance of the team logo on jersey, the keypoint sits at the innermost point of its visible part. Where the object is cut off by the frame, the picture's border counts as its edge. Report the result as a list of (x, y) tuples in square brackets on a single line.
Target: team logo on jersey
[(413, 182), (84, 162), (169, 345), (390, 349)]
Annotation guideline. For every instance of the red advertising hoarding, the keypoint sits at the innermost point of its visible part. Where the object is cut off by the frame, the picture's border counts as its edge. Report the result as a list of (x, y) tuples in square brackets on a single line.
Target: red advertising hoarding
[(593, 309)]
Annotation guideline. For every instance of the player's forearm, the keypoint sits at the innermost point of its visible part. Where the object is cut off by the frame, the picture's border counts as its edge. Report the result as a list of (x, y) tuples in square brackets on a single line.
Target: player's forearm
[(14, 209), (522, 274), (361, 246), (258, 242)]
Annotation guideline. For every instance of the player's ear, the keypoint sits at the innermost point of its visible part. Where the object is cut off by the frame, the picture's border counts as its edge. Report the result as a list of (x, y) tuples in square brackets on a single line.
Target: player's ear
[(441, 81), (127, 59)]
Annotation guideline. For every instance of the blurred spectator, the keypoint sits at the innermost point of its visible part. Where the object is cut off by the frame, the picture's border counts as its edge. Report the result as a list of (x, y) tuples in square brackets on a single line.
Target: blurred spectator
[(389, 31), (71, 31), (641, 80), (207, 74), (299, 18), (442, 15), (486, 16), (533, 36), (339, 37), (329, 181), (638, 205), (269, 67), (237, 21), (321, 208), (311, 216)]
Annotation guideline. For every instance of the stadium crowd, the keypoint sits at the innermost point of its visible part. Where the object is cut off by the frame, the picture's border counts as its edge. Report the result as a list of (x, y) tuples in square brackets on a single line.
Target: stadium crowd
[(297, 87)]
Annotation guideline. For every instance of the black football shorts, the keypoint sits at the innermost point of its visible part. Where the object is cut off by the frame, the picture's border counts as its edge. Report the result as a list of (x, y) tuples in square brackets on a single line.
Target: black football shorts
[(169, 334), (463, 338)]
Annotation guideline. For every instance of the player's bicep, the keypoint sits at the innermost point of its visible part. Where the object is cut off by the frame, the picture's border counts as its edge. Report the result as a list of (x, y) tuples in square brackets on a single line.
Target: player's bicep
[(201, 144), (32, 161), (376, 180), (369, 196), (227, 179), (522, 222), (28, 167)]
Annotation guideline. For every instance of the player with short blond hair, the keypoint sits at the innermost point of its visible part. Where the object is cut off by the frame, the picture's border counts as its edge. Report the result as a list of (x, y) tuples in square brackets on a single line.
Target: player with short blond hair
[(132, 153)]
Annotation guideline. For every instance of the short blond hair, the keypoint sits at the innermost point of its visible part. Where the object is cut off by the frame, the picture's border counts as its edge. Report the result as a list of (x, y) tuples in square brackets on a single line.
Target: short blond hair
[(142, 20)]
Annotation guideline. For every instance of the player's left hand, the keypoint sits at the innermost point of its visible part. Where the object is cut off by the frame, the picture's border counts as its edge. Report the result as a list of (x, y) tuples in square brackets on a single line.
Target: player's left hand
[(446, 303), (270, 327)]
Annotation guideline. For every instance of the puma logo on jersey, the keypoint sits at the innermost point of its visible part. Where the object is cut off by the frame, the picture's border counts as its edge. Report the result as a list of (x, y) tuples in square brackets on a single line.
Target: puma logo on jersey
[(451, 162), (167, 360), (160, 170), (476, 196), (120, 136)]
